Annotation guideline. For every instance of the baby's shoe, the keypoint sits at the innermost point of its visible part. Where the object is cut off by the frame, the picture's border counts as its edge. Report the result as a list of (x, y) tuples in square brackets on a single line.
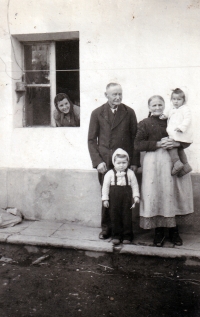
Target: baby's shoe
[(115, 241), (185, 170), (178, 165)]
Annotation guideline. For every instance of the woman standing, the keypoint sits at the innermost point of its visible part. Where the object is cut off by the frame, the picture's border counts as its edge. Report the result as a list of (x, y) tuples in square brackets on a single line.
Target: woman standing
[(163, 197)]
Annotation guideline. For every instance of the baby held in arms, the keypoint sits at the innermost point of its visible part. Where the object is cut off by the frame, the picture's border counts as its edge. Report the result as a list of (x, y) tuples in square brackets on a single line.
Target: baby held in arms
[(179, 128)]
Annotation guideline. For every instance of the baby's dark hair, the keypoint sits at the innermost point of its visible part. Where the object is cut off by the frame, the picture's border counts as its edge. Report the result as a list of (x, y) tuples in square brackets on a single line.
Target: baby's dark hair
[(120, 156), (178, 91), (60, 97)]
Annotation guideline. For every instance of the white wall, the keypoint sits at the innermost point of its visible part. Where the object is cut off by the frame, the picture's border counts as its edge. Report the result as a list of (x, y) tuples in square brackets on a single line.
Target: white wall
[(149, 46)]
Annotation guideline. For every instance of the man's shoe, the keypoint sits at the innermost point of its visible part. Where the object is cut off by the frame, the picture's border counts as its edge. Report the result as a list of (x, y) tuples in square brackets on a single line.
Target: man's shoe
[(159, 237), (103, 235)]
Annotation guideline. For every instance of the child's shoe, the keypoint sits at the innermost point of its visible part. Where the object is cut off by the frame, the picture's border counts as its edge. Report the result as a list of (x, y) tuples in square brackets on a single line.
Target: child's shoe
[(159, 237), (126, 241), (174, 236), (115, 241), (178, 165), (185, 170)]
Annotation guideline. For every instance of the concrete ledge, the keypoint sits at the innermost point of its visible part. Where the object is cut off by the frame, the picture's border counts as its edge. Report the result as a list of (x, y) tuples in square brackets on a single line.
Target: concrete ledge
[(4, 237), (99, 246), (161, 252), (72, 236)]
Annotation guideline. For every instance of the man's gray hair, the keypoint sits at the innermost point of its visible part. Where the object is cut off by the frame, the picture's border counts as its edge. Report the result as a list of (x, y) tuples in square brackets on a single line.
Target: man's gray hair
[(111, 85)]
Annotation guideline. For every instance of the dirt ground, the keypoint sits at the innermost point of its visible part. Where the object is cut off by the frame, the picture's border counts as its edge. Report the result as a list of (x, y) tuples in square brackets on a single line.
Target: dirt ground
[(78, 283)]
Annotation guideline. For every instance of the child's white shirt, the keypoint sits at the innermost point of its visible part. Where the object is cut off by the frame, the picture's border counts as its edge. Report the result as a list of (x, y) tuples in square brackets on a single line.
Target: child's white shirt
[(109, 180), (180, 118)]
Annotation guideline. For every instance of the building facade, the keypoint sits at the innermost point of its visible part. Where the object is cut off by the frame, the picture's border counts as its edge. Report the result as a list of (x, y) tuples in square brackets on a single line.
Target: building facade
[(73, 46)]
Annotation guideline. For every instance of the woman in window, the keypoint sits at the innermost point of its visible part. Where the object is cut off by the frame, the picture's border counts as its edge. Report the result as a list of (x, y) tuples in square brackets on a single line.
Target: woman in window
[(66, 114)]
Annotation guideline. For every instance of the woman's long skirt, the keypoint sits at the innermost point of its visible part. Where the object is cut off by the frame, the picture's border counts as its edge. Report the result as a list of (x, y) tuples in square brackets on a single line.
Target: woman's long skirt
[(163, 197)]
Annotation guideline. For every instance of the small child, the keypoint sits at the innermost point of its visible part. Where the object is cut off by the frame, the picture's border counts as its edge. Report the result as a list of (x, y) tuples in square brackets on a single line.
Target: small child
[(179, 128), (119, 186)]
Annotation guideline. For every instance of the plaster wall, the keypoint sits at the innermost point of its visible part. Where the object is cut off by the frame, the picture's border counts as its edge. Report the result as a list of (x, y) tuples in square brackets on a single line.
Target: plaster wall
[(68, 196), (55, 195), (149, 46)]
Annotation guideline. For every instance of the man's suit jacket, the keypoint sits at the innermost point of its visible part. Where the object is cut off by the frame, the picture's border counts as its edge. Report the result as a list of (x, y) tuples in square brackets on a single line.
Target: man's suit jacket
[(104, 138)]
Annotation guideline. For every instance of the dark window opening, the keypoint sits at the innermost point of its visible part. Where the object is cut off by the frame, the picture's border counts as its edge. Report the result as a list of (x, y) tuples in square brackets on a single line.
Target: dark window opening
[(67, 69)]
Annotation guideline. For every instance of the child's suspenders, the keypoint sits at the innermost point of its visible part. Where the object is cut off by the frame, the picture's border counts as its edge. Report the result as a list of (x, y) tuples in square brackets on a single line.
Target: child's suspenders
[(126, 177)]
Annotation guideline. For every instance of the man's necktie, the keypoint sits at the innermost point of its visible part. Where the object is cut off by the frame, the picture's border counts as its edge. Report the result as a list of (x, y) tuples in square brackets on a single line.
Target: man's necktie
[(115, 110)]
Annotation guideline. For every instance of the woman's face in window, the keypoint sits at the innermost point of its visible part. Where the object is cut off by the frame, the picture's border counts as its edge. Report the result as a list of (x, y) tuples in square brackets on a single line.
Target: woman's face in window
[(156, 107), (64, 105)]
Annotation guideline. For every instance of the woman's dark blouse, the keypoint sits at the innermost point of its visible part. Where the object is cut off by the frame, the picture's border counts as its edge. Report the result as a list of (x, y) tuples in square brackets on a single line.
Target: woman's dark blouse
[(150, 131)]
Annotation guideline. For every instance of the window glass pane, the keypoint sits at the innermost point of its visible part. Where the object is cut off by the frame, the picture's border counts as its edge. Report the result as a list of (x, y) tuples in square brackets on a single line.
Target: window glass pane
[(36, 62), (37, 106), (67, 60), (68, 83), (67, 55)]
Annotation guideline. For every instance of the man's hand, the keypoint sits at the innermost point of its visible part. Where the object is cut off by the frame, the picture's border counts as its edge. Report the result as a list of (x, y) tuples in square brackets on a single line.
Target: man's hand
[(102, 168), (134, 168), (106, 203)]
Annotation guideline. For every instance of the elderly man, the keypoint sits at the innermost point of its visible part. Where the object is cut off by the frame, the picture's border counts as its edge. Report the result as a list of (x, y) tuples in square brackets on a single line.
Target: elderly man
[(112, 126)]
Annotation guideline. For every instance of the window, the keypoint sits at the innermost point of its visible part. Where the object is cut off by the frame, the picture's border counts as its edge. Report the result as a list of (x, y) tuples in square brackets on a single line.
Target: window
[(50, 67)]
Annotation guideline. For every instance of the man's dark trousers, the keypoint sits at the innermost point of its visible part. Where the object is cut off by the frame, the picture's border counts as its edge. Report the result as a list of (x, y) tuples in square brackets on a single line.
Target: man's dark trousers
[(105, 216)]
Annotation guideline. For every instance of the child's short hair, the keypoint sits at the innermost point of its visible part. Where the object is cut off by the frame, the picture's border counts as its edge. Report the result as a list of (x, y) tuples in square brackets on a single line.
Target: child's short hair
[(121, 156), (178, 91)]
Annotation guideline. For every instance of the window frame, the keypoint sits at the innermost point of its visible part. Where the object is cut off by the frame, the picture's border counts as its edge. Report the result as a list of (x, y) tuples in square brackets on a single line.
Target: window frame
[(52, 77)]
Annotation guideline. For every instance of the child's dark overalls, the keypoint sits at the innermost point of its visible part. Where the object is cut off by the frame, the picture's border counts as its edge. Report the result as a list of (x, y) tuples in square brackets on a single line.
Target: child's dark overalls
[(120, 213)]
